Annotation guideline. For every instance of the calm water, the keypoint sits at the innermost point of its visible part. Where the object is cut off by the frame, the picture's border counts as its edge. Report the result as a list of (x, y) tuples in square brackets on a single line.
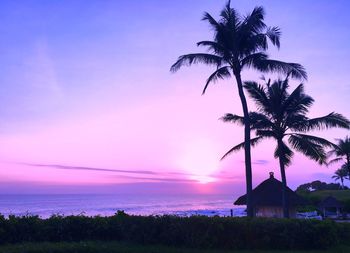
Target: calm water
[(105, 205)]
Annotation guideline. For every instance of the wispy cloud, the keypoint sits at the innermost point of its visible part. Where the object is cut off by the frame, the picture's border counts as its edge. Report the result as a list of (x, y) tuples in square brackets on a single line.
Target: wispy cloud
[(137, 174), (67, 167), (147, 175), (162, 179), (259, 162)]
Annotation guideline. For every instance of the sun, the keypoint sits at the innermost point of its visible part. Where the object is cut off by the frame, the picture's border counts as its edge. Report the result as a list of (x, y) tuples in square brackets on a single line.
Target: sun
[(200, 160)]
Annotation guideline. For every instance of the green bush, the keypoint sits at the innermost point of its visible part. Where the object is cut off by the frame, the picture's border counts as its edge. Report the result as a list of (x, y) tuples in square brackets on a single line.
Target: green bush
[(193, 232)]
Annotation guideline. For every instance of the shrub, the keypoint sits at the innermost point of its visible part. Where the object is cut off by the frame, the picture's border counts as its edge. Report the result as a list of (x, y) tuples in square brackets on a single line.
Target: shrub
[(193, 232)]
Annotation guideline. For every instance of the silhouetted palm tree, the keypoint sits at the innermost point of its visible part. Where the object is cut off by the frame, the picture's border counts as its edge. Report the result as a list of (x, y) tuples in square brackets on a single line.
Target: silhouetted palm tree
[(284, 115), (240, 42), (341, 174), (341, 151)]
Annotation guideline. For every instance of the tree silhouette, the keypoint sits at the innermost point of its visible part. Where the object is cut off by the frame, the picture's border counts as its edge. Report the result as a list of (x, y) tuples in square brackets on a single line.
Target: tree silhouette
[(341, 151), (283, 115), (240, 42), (341, 174)]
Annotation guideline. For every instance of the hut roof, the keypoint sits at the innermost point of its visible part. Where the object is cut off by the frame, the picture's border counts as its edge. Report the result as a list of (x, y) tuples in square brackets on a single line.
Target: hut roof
[(330, 202), (269, 193)]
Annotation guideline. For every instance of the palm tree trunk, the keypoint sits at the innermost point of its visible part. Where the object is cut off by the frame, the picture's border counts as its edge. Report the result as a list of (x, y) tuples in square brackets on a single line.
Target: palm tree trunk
[(247, 154), (285, 202), (348, 164), (342, 183)]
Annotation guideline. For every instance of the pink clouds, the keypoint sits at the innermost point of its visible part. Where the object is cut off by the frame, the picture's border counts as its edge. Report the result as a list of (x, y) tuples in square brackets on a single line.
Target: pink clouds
[(95, 90), (179, 132)]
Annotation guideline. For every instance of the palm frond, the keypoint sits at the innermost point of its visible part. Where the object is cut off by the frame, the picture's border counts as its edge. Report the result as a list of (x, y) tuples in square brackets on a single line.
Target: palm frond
[(211, 20), (335, 160), (343, 147), (189, 59), (254, 43), (229, 117), (341, 173), (249, 61), (260, 41), (346, 167), (254, 22), (332, 151), (220, 73), (266, 133), (253, 143), (295, 70), (277, 93), (274, 34), (315, 139), (298, 102), (308, 147), (260, 121), (296, 122), (331, 120), (213, 47), (336, 177), (230, 16), (258, 93)]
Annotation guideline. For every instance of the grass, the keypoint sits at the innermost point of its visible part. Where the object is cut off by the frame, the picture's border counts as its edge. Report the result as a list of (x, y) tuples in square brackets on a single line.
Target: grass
[(117, 247)]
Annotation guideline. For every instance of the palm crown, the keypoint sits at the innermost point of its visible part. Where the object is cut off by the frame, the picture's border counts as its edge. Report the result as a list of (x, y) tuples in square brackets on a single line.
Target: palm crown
[(282, 114), (341, 174), (239, 42), (341, 151)]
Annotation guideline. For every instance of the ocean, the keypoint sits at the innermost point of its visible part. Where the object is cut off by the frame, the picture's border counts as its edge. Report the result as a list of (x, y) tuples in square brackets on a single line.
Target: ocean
[(106, 205)]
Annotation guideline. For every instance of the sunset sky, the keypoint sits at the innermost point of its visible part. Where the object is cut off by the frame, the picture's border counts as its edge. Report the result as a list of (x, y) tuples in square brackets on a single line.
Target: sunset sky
[(88, 103)]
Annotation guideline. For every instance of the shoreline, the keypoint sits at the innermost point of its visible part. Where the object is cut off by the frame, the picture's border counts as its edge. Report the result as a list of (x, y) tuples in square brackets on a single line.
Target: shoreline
[(223, 212)]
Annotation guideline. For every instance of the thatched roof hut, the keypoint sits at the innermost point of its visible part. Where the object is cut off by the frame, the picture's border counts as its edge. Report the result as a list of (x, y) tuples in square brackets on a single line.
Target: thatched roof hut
[(330, 202), (329, 206), (267, 199)]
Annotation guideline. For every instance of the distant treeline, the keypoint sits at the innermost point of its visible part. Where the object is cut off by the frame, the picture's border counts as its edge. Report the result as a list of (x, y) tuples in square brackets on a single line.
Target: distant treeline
[(317, 191), (194, 232), (320, 186)]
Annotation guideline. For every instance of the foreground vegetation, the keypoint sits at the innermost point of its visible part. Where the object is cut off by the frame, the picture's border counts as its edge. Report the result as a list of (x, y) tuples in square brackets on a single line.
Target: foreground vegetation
[(196, 232), (117, 247)]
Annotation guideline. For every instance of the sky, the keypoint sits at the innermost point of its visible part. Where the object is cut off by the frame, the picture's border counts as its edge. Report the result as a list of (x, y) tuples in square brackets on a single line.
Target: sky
[(88, 104)]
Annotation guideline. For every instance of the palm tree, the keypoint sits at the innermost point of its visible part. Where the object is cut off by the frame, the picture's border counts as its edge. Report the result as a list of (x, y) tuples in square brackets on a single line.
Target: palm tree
[(240, 42), (284, 115), (340, 174), (341, 151)]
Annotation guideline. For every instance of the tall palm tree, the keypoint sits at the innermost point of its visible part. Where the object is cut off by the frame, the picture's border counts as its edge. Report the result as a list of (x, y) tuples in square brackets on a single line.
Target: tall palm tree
[(341, 151), (341, 174), (282, 115), (240, 42)]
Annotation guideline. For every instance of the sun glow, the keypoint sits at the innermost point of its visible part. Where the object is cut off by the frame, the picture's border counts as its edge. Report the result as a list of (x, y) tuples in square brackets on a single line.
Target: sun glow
[(200, 160), (203, 179)]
